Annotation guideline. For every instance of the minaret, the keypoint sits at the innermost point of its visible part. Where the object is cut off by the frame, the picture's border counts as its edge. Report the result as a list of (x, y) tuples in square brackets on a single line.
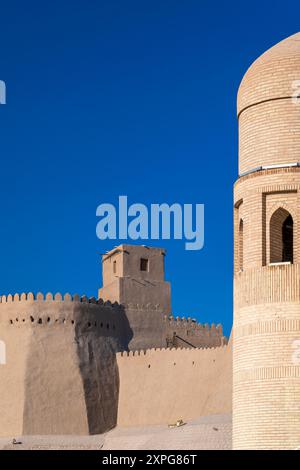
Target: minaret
[(266, 359)]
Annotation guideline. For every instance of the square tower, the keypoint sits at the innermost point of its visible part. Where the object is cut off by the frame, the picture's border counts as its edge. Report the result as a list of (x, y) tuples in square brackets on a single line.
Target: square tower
[(135, 274)]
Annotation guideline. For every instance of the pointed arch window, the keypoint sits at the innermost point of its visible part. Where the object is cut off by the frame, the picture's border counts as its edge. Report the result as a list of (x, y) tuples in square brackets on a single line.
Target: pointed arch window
[(281, 237)]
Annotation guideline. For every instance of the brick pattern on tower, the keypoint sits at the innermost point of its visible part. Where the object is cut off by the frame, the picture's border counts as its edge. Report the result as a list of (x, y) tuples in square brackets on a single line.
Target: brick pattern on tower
[(266, 376)]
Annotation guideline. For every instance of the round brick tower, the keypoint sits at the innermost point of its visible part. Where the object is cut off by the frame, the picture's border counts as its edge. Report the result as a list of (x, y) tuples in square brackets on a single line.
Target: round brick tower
[(266, 357)]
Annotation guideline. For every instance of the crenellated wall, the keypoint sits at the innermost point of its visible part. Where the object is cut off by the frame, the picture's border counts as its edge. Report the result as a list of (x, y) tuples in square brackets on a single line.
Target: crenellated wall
[(160, 386), (186, 332), (60, 375), (151, 328), (87, 313), (146, 298)]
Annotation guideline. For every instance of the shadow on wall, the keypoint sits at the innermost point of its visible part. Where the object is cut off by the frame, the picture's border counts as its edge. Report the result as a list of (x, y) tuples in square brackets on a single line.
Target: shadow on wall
[(100, 373), (68, 378)]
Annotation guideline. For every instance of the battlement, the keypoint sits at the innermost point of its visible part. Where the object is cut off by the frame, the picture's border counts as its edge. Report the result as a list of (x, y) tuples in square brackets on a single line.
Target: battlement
[(66, 340), (158, 386), (181, 331), (89, 315), (100, 353), (183, 322), (58, 297), (153, 351)]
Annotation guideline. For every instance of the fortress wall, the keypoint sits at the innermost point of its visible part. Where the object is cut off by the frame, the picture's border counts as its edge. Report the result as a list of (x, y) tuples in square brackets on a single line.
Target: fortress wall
[(34, 311), (40, 365), (146, 314), (151, 328), (162, 386), (12, 381), (147, 324), (60, 375), (182, 332)]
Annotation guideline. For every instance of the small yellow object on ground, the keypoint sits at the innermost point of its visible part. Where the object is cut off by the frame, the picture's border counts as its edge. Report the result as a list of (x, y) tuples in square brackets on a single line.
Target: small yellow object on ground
[(178, 423)]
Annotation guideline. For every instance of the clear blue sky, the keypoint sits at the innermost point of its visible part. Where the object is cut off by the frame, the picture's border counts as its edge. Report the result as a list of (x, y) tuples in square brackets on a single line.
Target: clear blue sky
[(123, 97)]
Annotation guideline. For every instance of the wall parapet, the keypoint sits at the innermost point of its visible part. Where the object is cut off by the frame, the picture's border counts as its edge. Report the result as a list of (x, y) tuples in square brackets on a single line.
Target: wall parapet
[(183, 322), (89, 314), (58, 297), (153, 351)]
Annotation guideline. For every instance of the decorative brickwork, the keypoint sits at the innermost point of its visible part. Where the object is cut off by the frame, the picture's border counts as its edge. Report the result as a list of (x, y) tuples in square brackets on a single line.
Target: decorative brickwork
[(266, 369)]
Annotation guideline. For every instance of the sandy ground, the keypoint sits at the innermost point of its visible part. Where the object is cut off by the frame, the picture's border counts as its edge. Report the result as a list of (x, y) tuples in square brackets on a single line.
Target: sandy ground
[(205, 433)]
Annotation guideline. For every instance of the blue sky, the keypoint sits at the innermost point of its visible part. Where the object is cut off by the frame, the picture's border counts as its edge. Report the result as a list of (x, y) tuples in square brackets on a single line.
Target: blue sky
[(106, 98)]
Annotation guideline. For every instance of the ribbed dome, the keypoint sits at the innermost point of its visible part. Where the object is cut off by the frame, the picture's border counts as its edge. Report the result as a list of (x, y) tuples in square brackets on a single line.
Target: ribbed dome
[(272, 75)]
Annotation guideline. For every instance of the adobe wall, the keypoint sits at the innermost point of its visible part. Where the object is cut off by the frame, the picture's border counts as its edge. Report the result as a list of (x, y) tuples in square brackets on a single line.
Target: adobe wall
[(185, 332), (147, 326), (60, 375), (146, 298), (151, 328), (162, 386)]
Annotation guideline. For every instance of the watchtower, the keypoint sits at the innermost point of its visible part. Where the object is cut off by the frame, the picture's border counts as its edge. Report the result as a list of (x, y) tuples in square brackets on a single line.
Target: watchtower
[(135, 274)]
